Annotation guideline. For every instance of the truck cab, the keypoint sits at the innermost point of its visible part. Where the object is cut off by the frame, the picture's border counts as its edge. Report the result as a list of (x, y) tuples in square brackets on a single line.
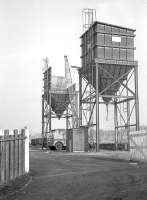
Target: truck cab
[(57, 139)]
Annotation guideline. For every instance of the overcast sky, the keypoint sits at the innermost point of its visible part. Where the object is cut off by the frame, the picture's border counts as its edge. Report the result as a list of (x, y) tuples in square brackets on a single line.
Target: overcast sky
[(33, 29)]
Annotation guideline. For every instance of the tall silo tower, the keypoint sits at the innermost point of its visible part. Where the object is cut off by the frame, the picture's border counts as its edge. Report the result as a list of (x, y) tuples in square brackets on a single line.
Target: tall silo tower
[(110, 73), (58, 99)]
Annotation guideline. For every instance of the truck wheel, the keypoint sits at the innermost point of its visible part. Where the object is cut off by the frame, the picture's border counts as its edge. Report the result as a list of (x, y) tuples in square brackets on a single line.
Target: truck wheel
[(59, 146)]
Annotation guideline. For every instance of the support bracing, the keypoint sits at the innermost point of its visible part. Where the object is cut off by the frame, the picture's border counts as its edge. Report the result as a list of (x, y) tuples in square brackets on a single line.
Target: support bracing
[(124, 99)]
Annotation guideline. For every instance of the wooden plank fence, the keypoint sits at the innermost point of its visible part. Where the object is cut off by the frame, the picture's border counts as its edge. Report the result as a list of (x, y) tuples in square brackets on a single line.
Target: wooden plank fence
[(138, 145), (14, 154)]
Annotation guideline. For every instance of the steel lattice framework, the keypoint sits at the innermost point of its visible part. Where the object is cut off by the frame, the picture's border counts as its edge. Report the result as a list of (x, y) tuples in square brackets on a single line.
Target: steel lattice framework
[(119, 93)]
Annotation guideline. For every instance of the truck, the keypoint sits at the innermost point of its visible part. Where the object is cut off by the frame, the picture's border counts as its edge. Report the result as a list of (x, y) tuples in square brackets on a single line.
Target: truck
[(56, 139)]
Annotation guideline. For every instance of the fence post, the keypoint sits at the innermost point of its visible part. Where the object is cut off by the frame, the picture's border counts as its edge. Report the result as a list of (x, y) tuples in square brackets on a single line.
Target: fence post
[(23, 150), (20, 155), (3, 157), (11, 156), (6, 141), (16, 153), (0, 158), (26, 150)]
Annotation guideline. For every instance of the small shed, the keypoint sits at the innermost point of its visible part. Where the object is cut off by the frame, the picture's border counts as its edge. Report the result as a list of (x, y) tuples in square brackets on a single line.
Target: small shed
[(77, 139)]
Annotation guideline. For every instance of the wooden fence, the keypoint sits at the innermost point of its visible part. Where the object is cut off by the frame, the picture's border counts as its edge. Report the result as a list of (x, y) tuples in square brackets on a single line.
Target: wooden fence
[(14, 155), (138, 145)]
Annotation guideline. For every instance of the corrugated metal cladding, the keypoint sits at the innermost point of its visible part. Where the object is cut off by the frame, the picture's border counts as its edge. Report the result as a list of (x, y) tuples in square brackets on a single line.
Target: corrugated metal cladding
[(106, 41)]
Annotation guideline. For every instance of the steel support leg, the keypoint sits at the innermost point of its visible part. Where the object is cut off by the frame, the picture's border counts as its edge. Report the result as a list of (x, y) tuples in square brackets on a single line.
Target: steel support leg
[(80, 99), (136, 97), (42, 116), (128, 121), (50, 113), (115, 124), (97, 108)]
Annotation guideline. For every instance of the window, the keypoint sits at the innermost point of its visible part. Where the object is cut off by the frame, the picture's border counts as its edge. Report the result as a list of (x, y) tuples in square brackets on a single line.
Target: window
[(116, 39)]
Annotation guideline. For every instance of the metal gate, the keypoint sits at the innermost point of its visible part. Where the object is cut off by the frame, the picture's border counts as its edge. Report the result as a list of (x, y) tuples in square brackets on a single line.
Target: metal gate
[(138, 145)]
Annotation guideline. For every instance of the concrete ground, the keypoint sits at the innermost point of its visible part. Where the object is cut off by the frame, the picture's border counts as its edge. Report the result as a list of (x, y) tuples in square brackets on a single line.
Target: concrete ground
[(83, 176)]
